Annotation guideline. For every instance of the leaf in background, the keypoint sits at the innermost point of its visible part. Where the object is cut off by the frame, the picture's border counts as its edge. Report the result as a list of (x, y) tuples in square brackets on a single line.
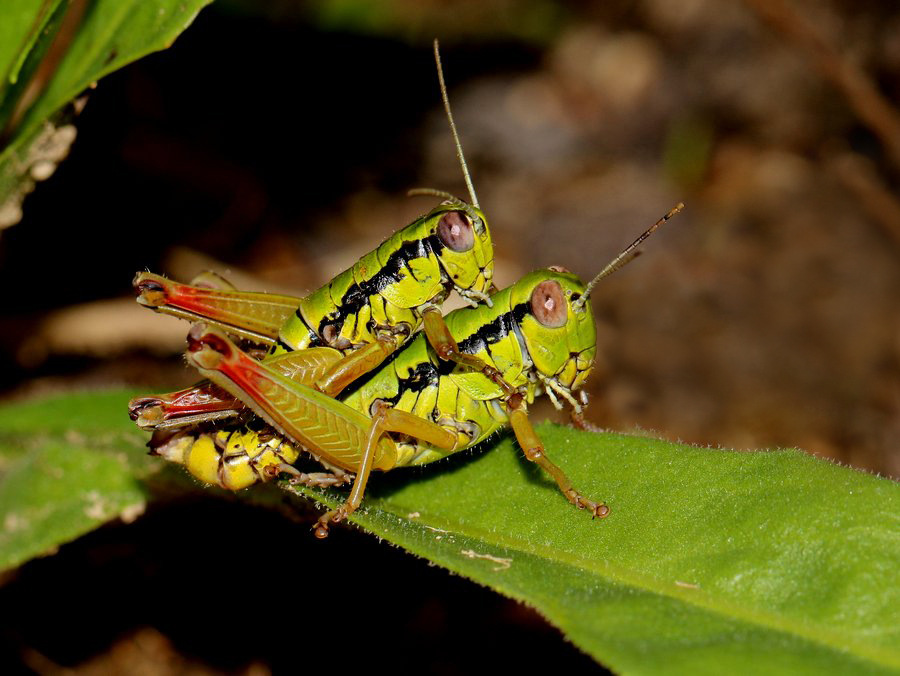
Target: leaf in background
[(710, 562), (76, 44), (534, 22), (67, 466)]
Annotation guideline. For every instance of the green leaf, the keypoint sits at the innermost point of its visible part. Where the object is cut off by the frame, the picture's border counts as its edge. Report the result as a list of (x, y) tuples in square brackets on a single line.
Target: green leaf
[(711, 561), (536, 21), (67, 466), (104, 35), (21, 30)]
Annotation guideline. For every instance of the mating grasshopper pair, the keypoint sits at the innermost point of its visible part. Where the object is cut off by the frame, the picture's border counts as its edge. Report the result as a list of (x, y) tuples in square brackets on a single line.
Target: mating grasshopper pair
[(327, 386)]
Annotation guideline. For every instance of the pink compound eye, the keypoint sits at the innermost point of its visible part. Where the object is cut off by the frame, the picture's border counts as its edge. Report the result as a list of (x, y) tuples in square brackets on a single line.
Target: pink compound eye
[(548, 304), (456, 232)]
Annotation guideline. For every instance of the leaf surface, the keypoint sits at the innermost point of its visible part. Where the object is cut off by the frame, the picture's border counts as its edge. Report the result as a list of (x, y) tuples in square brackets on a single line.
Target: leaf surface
[(710, 561)]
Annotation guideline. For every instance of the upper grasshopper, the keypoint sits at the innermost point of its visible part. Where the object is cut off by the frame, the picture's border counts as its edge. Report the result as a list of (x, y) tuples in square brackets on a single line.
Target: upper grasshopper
[(362, 316)]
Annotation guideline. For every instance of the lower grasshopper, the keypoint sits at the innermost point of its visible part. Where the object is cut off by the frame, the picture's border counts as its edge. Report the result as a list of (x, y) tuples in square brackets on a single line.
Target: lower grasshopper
[(362, 316), (539, 335)]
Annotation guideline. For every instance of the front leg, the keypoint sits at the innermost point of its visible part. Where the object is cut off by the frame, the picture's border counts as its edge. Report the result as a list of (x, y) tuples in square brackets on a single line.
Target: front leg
[(534, 451), (443, 342), (359, 362)]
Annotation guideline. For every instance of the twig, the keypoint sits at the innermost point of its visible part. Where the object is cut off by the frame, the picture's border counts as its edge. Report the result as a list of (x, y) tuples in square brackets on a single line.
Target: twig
[(873, 109), (861, 179)]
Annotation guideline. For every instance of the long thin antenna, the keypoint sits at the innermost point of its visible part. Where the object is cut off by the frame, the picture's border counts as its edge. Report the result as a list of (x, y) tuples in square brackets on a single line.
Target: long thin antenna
[(459, 151), (447, 197), (627, 255)]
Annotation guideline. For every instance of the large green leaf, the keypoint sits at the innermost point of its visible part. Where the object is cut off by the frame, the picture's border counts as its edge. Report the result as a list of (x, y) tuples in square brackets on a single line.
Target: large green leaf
[(104, 35), (710, 561)]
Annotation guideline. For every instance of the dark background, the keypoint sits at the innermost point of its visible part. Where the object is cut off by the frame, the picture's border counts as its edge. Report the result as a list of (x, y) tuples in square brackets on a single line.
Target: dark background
[(279, 142)]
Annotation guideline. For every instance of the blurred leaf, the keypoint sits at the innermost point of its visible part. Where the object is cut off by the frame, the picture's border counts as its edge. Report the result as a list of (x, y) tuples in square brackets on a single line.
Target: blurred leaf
[(537, 21), (50, 52), (67, 466), (711, 561)]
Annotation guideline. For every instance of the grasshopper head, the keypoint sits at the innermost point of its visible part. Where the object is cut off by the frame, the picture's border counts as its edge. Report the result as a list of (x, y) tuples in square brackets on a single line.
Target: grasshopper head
[(558, 325), (558, 332), (462, 243)]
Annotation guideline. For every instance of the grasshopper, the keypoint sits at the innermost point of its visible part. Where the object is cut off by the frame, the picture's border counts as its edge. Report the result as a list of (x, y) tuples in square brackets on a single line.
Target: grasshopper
[(538, 334), (352, 324)]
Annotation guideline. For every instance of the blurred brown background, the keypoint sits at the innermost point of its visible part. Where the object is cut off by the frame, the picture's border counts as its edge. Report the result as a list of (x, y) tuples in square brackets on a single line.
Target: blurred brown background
[(278, 140)]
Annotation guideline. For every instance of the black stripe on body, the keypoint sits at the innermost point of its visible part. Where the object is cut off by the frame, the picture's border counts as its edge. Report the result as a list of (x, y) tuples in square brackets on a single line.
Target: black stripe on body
[(410, 270), (283, 345), (357, 296), (315, 339), (424, 375), (487, 334)]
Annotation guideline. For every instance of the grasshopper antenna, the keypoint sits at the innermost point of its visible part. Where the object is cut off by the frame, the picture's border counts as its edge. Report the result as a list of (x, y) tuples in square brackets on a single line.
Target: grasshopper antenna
[(627, 255), (459, 151)]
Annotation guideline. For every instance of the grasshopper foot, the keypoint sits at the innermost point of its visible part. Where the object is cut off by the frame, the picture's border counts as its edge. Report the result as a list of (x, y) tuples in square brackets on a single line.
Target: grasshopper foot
[(333, 516), (312, 479), (598, 510), (579, 421)]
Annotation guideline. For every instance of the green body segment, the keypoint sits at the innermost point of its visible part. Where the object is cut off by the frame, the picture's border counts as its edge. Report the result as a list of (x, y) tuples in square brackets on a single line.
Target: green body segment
[(505, 336), (385, 292)]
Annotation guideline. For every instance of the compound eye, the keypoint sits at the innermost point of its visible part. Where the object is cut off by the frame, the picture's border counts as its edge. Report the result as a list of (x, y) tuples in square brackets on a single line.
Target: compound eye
[(456, 232), (548, 304)]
